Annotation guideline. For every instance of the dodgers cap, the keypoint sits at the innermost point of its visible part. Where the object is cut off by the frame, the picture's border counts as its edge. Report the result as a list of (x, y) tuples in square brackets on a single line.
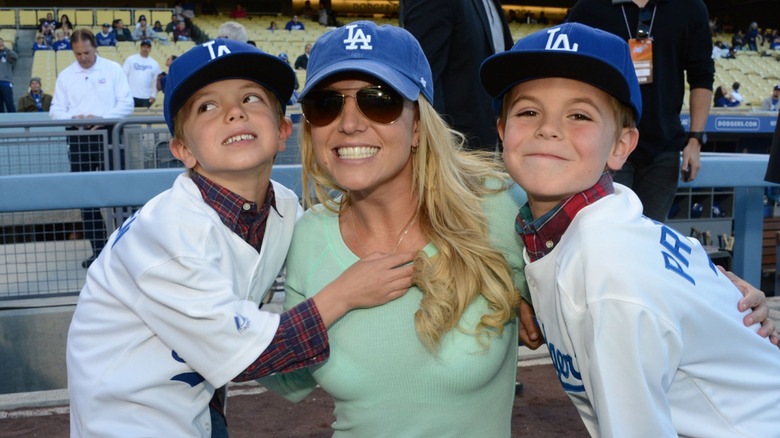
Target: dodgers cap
[(222, 59), (572, 51), (146, 43), (777, 87), (386, 52)]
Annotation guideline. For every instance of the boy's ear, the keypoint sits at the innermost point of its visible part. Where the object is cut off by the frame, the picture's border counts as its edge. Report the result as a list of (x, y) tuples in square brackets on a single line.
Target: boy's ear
[(285, 130), (624, 145), (182, 152), (500, 127)]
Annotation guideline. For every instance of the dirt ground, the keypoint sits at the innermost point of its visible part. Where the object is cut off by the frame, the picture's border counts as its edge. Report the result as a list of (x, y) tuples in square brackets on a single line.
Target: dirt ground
[(541, 410)]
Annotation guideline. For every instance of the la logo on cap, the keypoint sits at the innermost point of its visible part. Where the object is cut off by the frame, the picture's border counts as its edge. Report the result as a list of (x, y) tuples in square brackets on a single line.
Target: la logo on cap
[(355, 37), (559, 43), (221, 49)]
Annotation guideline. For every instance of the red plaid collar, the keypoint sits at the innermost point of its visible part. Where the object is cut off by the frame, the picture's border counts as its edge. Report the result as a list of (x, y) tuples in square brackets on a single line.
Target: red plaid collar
[(542, 235), (243, 217)]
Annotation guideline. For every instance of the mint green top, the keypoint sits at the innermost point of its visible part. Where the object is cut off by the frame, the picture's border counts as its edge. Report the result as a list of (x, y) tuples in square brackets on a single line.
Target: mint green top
[(384, 381)]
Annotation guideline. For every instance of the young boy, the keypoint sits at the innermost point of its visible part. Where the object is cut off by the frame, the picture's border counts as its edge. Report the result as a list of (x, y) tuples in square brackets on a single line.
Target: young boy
[(169, 312), (641, 326)]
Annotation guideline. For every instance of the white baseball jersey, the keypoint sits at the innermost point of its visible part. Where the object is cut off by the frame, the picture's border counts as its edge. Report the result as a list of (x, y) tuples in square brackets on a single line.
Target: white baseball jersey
[(645, 334), (142, 75), (169, 312)]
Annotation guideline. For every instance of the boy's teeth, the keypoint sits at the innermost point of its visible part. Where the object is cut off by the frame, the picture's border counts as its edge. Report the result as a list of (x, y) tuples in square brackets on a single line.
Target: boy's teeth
[(357, 152), (239, 137)]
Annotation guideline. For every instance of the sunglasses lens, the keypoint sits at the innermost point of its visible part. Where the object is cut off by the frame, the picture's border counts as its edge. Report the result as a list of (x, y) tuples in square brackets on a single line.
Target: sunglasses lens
[(321, 107), (381, 105)]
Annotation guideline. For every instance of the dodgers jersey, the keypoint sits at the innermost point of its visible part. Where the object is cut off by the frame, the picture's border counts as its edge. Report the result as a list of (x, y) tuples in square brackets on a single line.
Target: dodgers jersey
[(169, 312), (645, 334)]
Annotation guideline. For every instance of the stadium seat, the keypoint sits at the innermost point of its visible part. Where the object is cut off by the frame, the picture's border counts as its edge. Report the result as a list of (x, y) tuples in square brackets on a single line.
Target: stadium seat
[(84, 18), (28, 17), (8, 17)]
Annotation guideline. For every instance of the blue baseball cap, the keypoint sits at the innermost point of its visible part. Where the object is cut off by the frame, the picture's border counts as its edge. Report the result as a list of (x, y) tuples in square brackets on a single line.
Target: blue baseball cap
[(572, 51), (388, 53), (219, 60)]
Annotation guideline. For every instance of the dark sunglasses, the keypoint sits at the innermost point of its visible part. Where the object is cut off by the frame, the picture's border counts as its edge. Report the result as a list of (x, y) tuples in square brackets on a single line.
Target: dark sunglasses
[(377, 103)]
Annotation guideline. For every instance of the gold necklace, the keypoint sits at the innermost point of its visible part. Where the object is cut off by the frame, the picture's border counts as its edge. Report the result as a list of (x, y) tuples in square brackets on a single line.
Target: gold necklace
[(403, 234)]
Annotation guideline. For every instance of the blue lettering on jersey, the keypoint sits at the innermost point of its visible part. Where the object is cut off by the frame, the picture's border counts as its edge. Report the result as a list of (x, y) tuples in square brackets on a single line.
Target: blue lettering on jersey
[(125, 226), (242, 322), (564, 366), (192, 379), (674, 260)]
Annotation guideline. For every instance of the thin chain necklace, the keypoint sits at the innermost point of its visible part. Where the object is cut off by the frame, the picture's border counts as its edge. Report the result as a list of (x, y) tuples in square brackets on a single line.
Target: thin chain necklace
[(403, 234)]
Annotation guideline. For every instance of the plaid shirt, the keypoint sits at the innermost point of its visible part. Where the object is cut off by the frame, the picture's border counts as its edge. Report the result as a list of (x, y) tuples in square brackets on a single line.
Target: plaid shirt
[(542, 235), (301, 339)]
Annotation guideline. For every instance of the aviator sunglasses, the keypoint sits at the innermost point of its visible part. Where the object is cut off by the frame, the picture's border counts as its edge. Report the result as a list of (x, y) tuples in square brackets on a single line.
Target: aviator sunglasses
[(377, 103)]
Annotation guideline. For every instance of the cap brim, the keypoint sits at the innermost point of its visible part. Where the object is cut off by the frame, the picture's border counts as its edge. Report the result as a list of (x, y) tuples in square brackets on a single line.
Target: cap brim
[(400, 83), (265, 69), (502, 72)]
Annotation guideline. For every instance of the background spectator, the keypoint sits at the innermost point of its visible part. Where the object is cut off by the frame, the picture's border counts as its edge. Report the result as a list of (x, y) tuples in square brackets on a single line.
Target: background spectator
[(302, 61), (40, 43), (294, 24), (738, 40), (105, 37), (121, 32), (752, 36), (735, 92), (233, 31), (722, 98), (158, 27), (770, 103), (170, 27), (61, 43), (8, 58), (238, 11), (456, 43), (679, 32), (63, 20), (273, 26), (36, 100), (142, 71), (181, 33), (143, 31), (48, 33), (90, 88)]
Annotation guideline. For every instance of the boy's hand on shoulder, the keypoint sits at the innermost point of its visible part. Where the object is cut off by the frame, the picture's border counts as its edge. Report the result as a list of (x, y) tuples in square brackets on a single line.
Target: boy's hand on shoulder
[(373, 280), (529, 332), (756, 300)]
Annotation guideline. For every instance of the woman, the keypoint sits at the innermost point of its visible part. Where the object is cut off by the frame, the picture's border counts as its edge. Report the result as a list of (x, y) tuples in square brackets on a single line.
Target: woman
[(65, 21), (40, 43), (722, 98), (441, 360), (420, 365)]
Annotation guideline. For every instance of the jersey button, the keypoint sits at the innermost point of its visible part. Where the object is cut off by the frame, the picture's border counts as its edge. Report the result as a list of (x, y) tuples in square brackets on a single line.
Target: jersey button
[(246, 206)]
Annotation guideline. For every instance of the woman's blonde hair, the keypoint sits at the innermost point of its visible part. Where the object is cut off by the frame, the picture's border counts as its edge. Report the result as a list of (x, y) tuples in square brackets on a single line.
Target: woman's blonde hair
[(450, 184)]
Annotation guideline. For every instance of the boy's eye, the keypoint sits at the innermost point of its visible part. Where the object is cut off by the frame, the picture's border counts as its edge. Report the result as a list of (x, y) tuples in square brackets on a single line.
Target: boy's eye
[(206, 107), (252, 98), (527, 113), (580, 117)]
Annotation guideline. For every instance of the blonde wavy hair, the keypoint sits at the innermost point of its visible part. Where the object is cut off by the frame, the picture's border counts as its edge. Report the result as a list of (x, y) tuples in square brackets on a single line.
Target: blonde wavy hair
[(450, 183)]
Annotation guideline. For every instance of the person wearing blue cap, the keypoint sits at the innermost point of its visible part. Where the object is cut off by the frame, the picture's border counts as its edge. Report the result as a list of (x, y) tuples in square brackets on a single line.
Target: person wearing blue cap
[(142, 71), (106, 36), (392, 176), (640, 324), (169, 311)]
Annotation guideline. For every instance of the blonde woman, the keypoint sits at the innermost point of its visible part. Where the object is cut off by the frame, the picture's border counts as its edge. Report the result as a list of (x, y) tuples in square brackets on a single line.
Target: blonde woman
[(393, 177)]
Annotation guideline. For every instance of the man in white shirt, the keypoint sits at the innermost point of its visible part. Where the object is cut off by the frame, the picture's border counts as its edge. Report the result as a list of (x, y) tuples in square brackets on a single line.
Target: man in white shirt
[(142, 70), (90, 88), (735, 92)]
